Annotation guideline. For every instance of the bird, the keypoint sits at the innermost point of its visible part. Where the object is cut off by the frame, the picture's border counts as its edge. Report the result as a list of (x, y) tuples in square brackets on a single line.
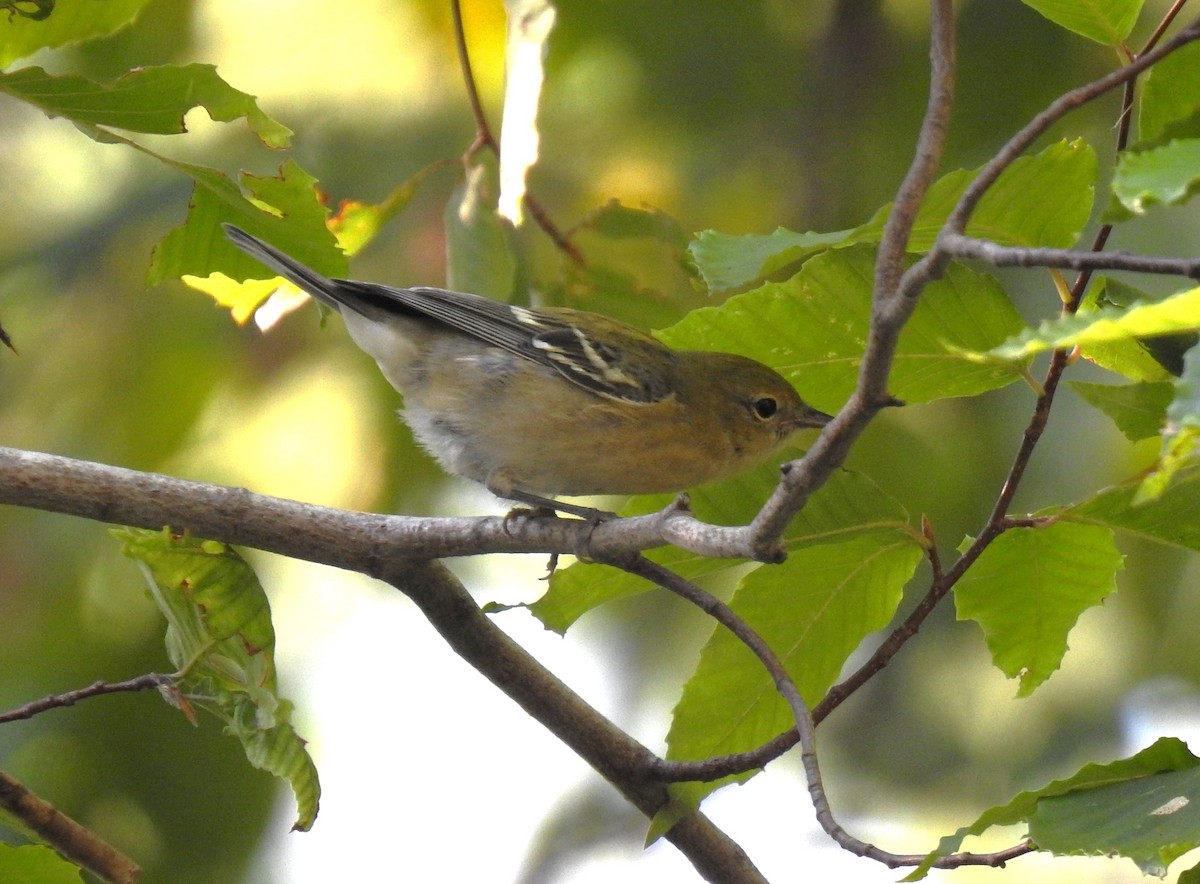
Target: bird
[(535, 404)]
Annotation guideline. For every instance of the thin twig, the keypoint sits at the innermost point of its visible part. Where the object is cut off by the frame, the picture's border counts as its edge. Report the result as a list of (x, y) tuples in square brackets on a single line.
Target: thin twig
[(73, 841), (152, 681), (784, 684), (805, 725), (958, 245), (485, 139)]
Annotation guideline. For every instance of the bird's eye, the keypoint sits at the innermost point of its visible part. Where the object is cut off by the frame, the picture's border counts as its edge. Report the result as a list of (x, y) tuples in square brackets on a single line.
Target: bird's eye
[(765, 407)]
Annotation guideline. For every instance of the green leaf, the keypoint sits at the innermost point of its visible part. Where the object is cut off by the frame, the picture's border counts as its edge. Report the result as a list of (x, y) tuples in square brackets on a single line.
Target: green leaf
[(1139, 410), (1179, 312), (1166, 175), (152, 100), (35, 864), (1105, 21), (296, 225), (1041, 200), (1130, 357), (1172, 518), (730, 262), (849, 505), (813, 611), (70, 21), (357, 223), (813, 330), (479, 258), (616, 221), (1153, 820), (220, 638), (1169, 100), (1168, 754), (1182, 434), (1029, 587)]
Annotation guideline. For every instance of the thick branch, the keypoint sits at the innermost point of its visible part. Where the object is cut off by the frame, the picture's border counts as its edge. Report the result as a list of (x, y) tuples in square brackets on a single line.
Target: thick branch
[(617, 756), (73, 841), (324, 534)]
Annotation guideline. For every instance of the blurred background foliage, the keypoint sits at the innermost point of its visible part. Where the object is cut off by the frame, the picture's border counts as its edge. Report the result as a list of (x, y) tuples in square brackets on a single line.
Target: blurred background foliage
[(734, 116)]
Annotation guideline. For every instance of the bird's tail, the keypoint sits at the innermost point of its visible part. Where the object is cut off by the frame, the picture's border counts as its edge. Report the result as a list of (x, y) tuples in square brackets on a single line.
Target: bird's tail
[(320, 287)]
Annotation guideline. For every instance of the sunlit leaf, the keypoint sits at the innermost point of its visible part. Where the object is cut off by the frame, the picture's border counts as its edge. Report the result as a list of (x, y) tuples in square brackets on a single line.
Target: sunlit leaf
[(199, 247), (357, 223), (1182, 434), (1180, 312)]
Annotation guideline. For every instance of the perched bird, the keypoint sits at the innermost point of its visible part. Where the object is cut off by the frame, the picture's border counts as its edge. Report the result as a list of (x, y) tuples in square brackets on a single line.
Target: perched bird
[(555, 401)]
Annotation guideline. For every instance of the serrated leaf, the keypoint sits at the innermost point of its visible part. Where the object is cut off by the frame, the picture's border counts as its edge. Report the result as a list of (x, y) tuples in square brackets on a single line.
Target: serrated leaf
[(35, 864), (297, 226), (151, 100), (1153, 820), (1169, 99), (1029, 587), (220, 638), (1172, 518), (1139, 410), (1105, 21), (1040, 200), (1166, 175), (813, 611), (1131, 357), (1182, 434), (1167, 754), (478, 256), (1179, 312), (730, 262), (847, 506), (813, 328), (70, 21)]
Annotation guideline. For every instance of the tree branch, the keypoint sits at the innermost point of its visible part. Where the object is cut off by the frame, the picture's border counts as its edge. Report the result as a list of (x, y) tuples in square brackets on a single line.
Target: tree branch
[(152, 681), (958, 245), (327, 535), (614, 754), (76, 843)]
